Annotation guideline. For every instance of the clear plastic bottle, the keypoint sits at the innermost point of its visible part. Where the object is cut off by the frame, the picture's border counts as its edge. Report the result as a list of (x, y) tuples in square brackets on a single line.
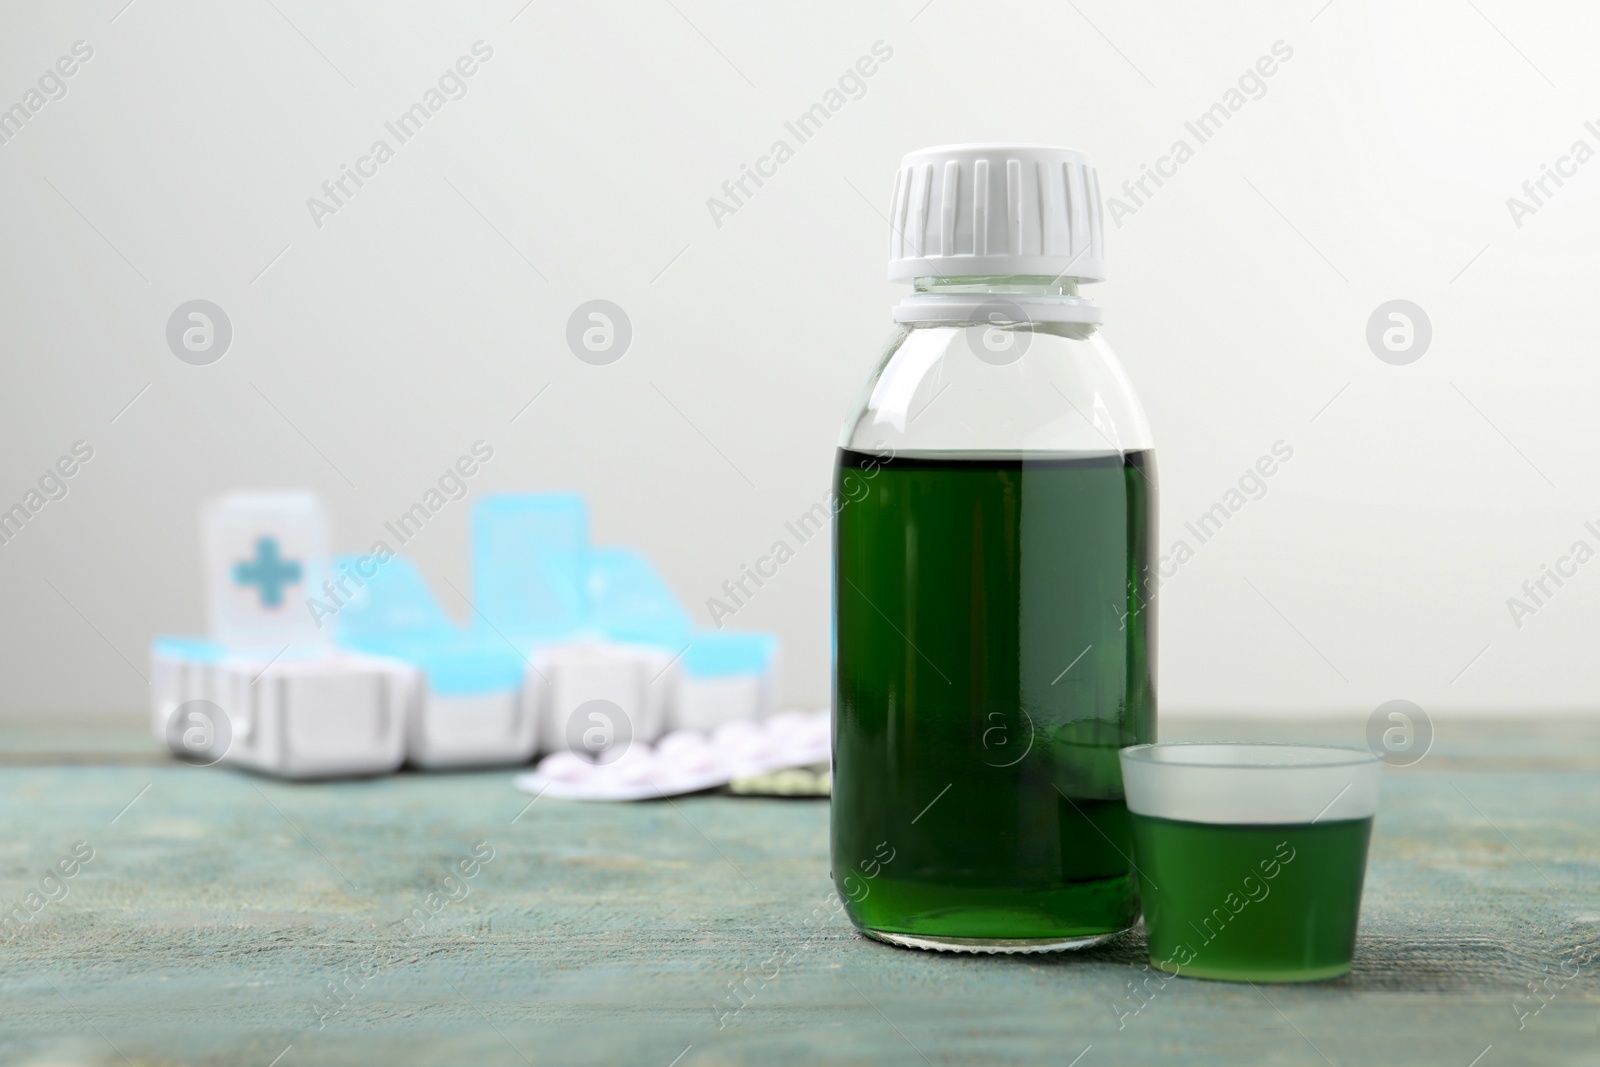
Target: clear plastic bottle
[(994, 617)]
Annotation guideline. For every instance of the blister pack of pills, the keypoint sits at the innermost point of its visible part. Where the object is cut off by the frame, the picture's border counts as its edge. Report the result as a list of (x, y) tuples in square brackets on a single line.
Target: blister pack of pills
[(685, 761)]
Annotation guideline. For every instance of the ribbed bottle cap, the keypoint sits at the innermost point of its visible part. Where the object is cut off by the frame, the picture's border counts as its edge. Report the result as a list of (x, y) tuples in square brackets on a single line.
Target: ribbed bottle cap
[(996, 209)]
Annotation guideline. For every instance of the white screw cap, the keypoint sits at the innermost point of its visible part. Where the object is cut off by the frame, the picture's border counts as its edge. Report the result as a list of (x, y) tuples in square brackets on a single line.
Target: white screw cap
[(996, 209)]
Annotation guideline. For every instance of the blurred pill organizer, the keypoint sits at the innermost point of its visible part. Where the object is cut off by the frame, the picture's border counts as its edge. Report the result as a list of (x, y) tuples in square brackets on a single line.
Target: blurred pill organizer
[(323, 666), (686, 761)]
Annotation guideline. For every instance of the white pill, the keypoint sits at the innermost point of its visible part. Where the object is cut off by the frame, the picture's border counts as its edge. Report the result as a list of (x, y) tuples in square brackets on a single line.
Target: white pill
[(687, 754), (566, 767), (637, 766)]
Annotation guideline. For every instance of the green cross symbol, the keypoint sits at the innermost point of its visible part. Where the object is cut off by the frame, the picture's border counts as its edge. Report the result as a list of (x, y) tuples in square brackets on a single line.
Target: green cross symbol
[(268, 571)]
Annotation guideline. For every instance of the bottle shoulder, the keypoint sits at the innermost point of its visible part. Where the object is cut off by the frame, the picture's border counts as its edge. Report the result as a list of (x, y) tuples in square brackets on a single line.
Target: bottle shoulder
[(998, 388)]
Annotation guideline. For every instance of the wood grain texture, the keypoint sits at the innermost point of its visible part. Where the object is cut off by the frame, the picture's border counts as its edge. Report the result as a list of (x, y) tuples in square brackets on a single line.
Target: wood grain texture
[(219, 906)]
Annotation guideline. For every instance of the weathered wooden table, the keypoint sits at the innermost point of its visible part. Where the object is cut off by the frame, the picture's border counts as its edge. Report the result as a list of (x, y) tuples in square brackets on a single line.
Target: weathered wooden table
[(231, 919)]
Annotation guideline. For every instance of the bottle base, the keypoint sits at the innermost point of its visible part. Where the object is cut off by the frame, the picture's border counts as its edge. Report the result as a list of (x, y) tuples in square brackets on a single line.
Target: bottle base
[(990, 945)]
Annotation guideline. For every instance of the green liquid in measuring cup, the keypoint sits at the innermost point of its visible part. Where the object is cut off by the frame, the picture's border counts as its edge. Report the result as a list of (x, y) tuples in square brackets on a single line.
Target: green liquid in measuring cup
[(994, 649), (1259, 903)]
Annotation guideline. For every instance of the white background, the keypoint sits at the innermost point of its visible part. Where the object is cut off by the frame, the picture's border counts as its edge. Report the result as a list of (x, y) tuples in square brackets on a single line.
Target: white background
[(373, 351)]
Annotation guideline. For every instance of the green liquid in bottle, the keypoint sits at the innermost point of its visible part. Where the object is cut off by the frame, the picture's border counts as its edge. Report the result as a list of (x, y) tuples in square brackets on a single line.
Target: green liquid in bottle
[(994, 649), (1260, 903)]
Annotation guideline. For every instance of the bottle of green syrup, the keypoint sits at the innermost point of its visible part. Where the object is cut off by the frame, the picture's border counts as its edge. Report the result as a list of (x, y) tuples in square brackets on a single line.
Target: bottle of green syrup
[(994, 618)]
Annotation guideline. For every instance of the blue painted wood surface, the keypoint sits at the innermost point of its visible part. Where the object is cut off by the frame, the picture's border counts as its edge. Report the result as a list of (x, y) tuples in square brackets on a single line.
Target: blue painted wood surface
[(231, 919)]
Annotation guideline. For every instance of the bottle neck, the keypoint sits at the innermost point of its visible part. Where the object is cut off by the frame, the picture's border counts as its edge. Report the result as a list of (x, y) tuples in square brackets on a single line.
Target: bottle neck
[(1006, 284), (998, 298)]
